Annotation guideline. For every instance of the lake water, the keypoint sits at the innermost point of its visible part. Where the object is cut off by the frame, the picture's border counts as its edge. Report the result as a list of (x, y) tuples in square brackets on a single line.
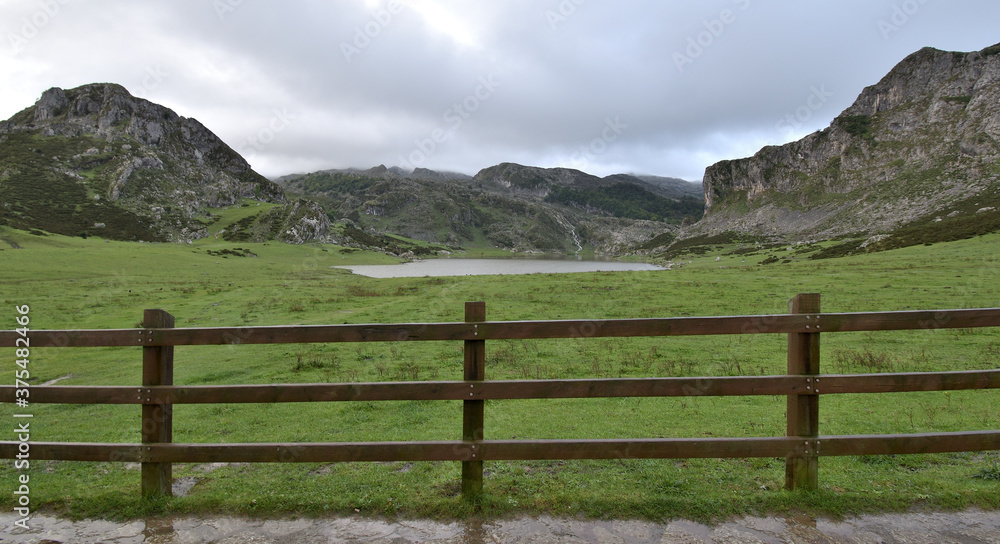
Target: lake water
[(483, 267)]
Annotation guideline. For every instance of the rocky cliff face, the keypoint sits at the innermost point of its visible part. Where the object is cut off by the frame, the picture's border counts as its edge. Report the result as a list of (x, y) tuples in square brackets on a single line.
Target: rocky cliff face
[(921, 144), (97, 160)]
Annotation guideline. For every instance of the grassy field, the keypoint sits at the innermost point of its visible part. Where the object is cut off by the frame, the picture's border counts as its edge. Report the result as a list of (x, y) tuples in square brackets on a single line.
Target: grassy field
[(90, 283)]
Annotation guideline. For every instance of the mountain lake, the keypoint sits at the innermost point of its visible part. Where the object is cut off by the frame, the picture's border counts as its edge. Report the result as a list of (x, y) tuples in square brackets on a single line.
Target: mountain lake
[(484, 267)]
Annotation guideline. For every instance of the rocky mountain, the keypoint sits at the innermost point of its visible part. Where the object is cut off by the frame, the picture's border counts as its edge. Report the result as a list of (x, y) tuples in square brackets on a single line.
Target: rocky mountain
[(510, 206), (96, 160), (920, 149)]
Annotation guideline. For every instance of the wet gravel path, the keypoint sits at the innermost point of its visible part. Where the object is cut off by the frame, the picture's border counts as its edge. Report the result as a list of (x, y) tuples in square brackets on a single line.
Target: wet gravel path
[(970, 527)]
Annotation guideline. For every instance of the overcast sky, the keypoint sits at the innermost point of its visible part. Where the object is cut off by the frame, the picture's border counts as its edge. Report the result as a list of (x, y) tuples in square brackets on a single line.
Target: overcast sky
[(651, 87)]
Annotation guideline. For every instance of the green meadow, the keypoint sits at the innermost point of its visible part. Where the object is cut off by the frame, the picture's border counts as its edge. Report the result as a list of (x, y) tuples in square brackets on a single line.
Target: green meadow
[(93, 283)]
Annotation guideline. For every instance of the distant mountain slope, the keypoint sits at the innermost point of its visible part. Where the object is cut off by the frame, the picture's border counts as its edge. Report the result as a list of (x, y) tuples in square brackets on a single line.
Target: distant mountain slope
[(509, 206), (619, 195), (671, 187), (381, 172), (95, 160), (921, 148)]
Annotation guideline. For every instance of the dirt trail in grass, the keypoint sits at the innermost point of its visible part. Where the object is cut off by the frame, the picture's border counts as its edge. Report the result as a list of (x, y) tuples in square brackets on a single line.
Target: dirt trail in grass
[(959, 528)]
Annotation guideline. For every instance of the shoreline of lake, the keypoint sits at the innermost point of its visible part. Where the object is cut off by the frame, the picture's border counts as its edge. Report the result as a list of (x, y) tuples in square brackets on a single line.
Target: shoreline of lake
[(515, 265)]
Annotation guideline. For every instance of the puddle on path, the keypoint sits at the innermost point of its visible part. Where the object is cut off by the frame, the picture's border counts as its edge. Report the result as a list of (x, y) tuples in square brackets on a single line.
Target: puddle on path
[(970, 527)]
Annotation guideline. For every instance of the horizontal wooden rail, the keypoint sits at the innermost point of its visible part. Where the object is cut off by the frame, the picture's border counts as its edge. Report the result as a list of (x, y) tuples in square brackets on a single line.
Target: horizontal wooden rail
[(514, 389), (907, 382), (509, 330), (456, 390), (485, 450), (510, 450), (905, 444)]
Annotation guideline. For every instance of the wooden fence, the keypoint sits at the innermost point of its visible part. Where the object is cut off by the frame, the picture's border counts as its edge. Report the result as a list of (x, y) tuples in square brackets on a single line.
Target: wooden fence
[(801, 446)]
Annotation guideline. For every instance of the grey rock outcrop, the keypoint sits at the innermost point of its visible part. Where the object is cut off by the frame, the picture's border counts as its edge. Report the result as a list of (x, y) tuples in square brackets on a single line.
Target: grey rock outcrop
[(52, 104), (924, 139), (304, 221), (298, 222)]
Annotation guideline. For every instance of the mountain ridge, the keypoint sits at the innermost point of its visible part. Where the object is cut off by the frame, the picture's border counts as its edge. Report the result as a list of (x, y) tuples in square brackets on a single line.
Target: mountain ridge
[(666, 186), (510, 206), (921, 145)]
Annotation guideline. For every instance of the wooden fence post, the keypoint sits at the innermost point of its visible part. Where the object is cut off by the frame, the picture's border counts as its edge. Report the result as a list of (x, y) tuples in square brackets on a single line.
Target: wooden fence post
[(472, 420), (801, 472), (157, 419)]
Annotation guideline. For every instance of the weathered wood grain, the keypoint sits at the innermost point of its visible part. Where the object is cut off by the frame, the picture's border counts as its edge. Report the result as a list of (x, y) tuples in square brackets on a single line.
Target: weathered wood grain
[(495, 450), (514, 389), (157, 417), (509, 330), (801, 471)]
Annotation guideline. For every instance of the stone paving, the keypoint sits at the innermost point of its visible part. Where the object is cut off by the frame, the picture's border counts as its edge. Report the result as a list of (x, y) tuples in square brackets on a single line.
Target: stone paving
[(969, 527)]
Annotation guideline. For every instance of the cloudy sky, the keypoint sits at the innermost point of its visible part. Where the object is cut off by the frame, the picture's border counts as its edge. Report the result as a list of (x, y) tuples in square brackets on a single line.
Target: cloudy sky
[(655, 87)]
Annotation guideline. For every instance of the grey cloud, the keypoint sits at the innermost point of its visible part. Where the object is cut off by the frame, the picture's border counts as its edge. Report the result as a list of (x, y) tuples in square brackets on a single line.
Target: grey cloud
[(564, 67)]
